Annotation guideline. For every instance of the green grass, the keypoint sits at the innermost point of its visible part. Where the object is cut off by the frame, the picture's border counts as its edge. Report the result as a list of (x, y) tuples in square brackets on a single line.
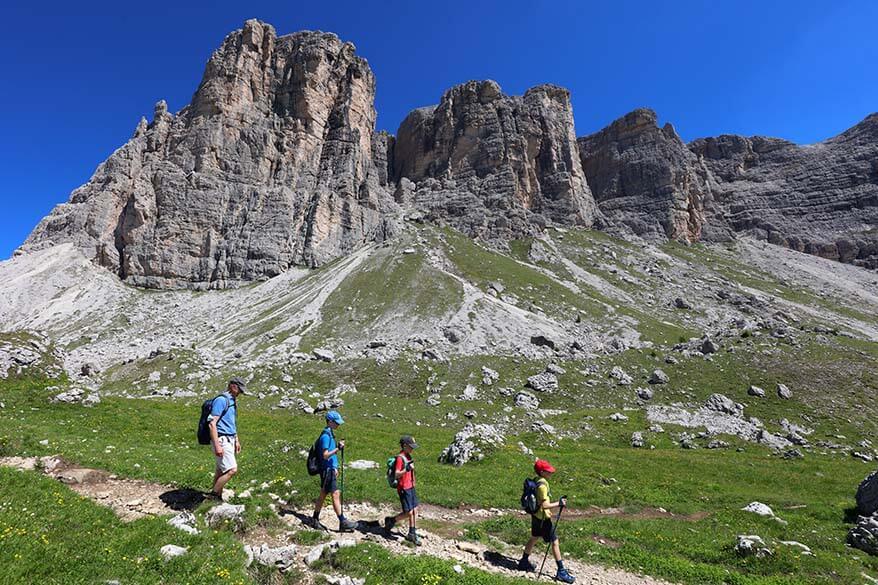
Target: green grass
[(49, 534), (154, 439), (390, 286)]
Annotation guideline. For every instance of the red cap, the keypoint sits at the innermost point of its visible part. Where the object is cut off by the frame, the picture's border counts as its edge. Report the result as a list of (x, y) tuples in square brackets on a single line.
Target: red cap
[(541, 465)]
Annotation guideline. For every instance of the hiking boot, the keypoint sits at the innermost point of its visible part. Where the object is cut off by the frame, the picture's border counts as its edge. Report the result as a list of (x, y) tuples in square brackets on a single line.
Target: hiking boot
[(413, 538), (389, 523), (564, 576), (316, 524), (525, 565), (346, 525)]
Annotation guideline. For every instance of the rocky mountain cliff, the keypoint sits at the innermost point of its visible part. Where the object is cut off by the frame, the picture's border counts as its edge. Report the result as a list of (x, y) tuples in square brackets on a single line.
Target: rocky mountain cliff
[(821, 199), (270, 166), (276, 163), (493, 165)]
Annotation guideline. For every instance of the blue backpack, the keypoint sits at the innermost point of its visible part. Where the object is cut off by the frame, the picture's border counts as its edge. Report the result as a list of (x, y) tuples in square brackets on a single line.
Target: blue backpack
[(203, 427)]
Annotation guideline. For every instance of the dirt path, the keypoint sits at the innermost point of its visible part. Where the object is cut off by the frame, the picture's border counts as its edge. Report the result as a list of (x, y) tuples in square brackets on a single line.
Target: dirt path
[(132, 499)]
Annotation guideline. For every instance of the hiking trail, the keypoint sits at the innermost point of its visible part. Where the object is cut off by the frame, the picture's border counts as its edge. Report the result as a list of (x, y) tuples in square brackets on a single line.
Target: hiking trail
[(131, 499)]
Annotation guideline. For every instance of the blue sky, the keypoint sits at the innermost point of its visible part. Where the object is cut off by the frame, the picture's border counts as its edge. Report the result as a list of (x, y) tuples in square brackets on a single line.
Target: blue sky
[(77, 76)]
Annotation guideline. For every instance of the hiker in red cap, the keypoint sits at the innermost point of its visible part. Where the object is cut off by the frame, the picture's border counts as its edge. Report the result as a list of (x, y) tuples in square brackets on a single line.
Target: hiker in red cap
[(541, 523)]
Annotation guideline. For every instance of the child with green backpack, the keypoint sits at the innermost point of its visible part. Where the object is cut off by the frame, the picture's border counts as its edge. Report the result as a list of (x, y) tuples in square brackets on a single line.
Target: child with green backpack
[(401, 475)]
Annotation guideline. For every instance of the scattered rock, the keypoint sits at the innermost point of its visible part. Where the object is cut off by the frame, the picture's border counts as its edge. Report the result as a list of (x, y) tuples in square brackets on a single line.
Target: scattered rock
[(282, 558), (93, 399), (314, 554), (637, 440), (783, 392), (323, 355), (170, 551), (751, 545), (431, 353), (489, 376), (682, 303), (556, 369), (545, 382), (184, 521), (469, 393), (472, 442), (644, 393), (618, 417), (453, 333), (758, 508), (659, 377), (721, 403), (226, 514), (708, 346), (620, 376), (792, 454), (806, 550), (71, 396), (527, 400), (363, 464), (864, 535), (756, 391), (717, 444)]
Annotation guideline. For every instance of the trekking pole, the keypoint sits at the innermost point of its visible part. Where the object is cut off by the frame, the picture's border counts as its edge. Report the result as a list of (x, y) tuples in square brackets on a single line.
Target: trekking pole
[(341, 499), (552, 538)]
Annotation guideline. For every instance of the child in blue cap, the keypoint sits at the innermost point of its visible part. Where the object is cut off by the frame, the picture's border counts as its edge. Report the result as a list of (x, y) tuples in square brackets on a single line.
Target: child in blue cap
[(328, 449)]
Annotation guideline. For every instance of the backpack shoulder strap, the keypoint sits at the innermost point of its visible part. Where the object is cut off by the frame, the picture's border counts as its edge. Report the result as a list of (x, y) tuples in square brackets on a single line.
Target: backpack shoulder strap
[(226, 409)]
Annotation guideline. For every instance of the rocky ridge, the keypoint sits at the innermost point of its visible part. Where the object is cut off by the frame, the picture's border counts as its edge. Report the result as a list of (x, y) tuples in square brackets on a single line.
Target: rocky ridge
[(276, 163)]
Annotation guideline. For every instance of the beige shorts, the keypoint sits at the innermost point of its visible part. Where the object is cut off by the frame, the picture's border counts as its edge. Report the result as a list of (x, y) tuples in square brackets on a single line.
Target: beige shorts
[(227, 461)]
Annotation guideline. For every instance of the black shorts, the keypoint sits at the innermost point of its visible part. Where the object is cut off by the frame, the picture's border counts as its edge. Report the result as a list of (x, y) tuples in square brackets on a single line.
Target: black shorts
[(542, 528), (328, 481), (409, 499)]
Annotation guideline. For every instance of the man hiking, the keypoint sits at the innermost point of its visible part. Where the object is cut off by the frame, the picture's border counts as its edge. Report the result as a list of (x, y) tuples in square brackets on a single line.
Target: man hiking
[(223, 426), (328, 450), (541, 523), (404, 472)]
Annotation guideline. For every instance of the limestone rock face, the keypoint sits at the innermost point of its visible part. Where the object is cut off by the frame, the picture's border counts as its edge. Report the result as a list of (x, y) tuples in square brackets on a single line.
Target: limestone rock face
[(821, 199), (645, 179), (271, 165), (492, 165)]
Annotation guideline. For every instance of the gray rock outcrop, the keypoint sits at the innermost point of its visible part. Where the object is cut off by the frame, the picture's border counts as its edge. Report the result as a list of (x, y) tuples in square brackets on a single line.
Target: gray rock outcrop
[(644, 178), (275, 163), (821, 199), (472, 442), (492, 165), (864, 535)]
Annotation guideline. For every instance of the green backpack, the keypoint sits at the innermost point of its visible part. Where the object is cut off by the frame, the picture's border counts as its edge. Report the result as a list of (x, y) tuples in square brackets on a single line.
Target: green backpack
[(392, 481)]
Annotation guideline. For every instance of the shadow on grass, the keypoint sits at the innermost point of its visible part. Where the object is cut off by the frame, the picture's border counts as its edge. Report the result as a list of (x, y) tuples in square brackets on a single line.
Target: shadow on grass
[(851, 514), (501, 561)]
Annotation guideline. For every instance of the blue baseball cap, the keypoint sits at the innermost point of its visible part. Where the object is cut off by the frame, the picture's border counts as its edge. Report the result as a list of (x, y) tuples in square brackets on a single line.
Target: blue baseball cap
[(334, 416)]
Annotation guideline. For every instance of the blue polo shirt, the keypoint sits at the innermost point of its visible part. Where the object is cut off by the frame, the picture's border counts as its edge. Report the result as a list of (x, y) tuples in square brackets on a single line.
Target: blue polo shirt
[(226, 425), (327, 443)]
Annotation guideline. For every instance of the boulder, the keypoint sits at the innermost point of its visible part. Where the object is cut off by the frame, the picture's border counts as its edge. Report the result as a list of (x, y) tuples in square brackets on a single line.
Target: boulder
[(783, 392), (527, 400), (748, 545), (489, 376), (474, 441), (644, 393), (756, 391), (544, 382), (867, 495), (659, 377), (637, 440), (282, 558), (170, 551), (226, 515), (864, 535), (184, 521), (323, 355), (724, 404), (620, 376), (542, 341), (708, 346), (758, 508)]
